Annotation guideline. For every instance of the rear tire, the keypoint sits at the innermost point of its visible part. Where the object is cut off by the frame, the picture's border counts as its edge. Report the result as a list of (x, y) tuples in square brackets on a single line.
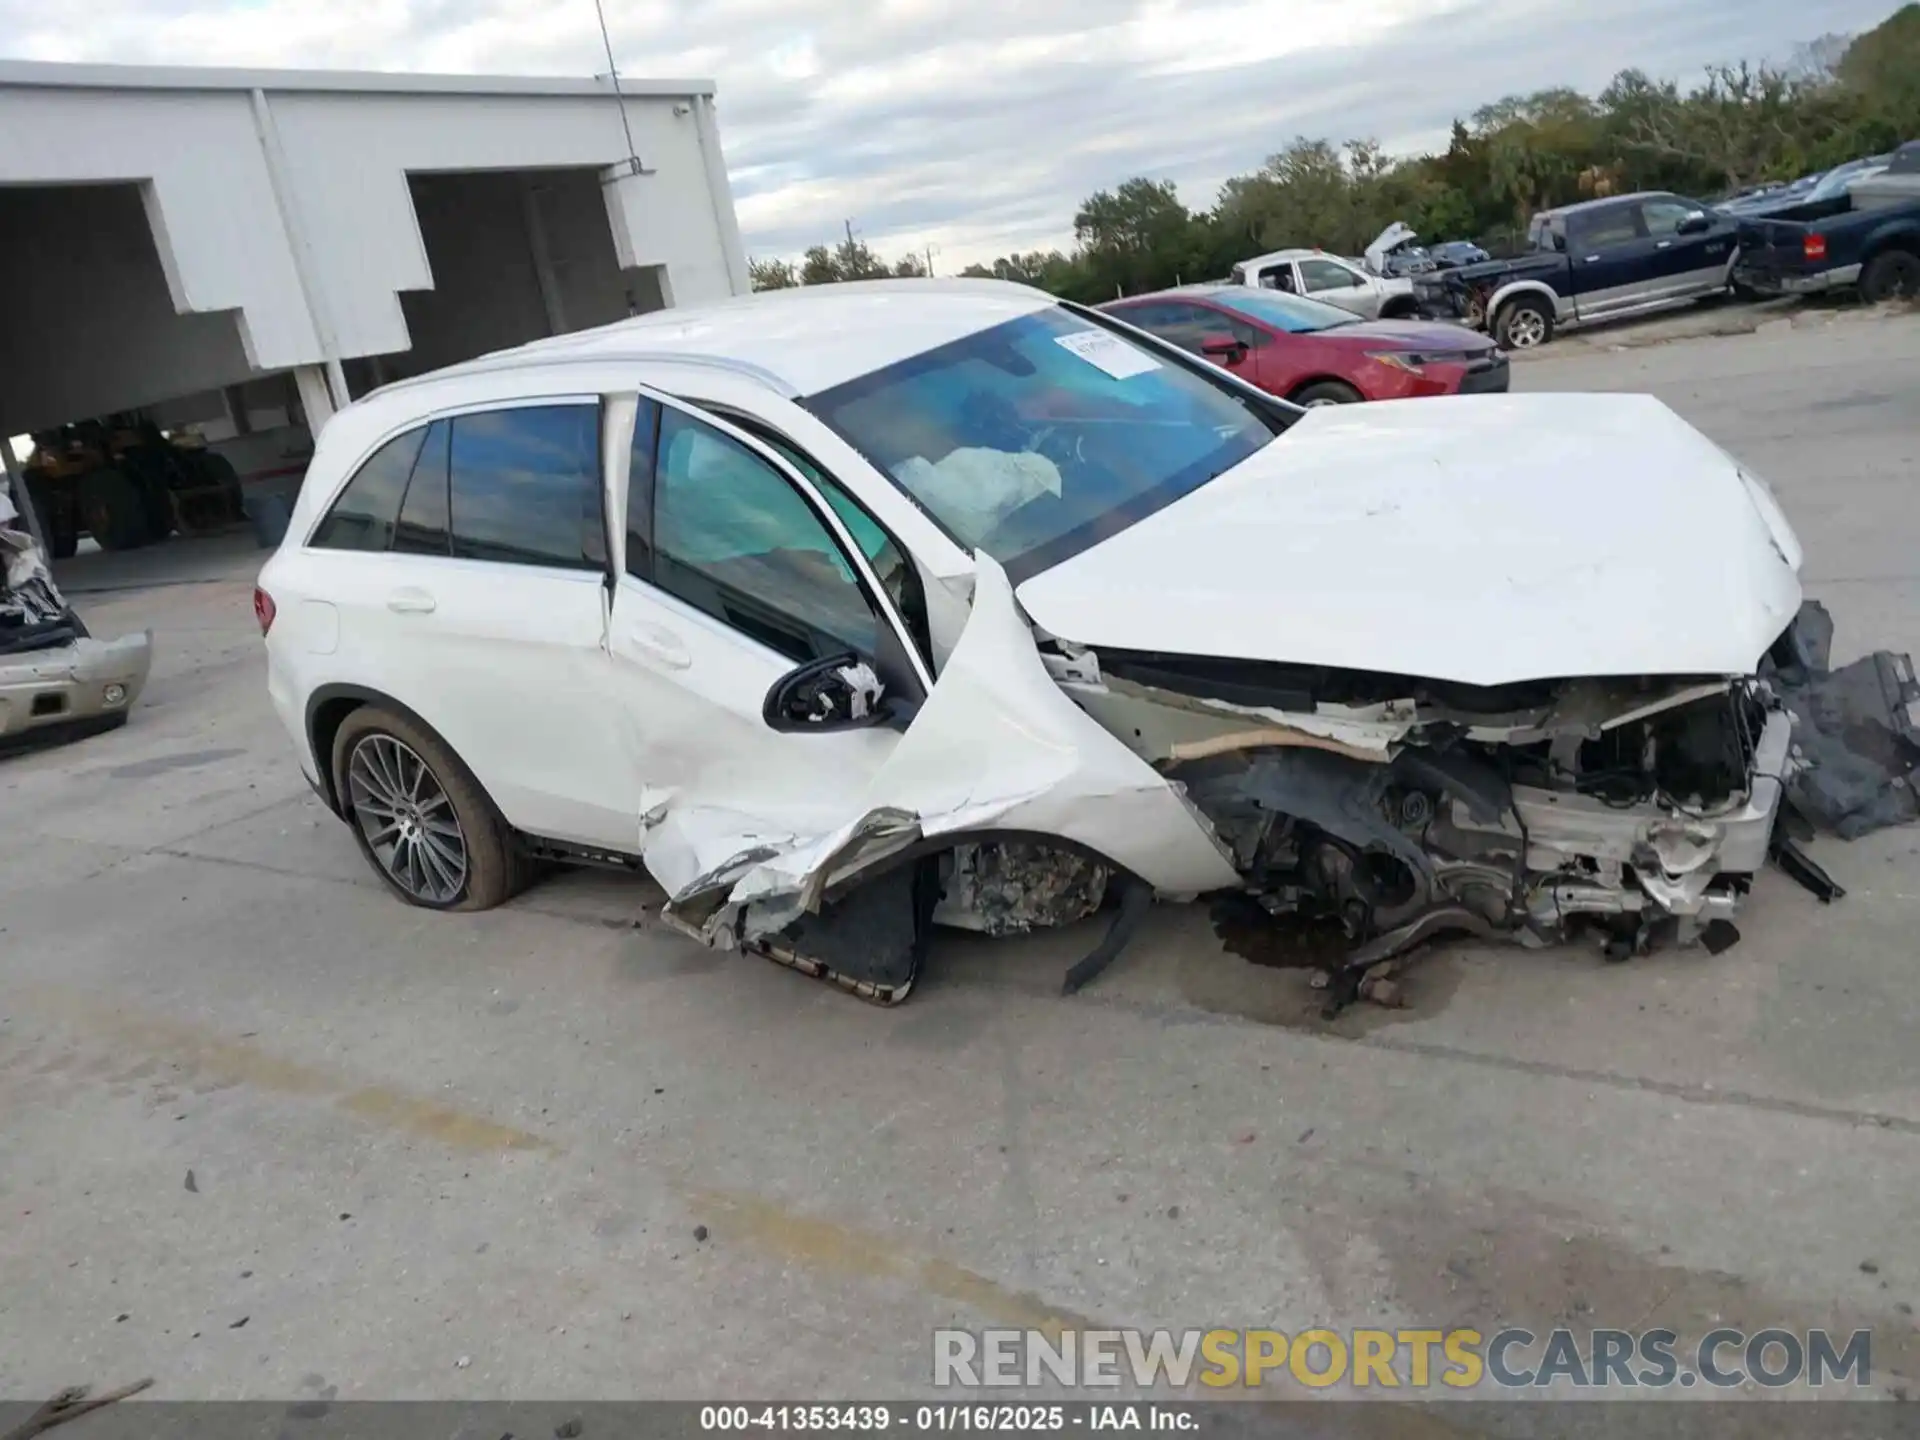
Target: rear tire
[(220, 473), (115, 509), (63, 534), (58, 521), (1523, 324), (1327, 392), (436, 841), (1891, 275)]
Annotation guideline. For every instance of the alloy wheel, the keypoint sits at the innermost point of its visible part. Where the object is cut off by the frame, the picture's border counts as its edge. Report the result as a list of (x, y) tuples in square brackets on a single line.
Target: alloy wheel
[(407, 820), (1526, 329)]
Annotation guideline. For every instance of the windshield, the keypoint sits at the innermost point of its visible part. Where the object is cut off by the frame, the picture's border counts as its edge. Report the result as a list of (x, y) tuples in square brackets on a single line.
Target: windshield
[(1039, 437), (1294, 314), (1836, 181)]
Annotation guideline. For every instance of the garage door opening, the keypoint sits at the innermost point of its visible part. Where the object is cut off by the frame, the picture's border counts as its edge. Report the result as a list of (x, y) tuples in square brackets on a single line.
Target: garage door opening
[(91, 323), (516, 255)]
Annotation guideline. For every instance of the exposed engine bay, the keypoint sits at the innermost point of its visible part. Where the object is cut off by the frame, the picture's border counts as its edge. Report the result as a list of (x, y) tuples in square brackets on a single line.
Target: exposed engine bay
[(1400, 808)]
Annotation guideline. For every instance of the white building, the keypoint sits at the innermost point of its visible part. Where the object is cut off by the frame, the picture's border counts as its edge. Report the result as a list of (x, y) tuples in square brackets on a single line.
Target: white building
[(190, 241)]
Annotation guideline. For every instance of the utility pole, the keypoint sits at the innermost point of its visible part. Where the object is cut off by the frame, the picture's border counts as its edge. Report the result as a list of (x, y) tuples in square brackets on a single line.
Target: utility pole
[(931, 251)]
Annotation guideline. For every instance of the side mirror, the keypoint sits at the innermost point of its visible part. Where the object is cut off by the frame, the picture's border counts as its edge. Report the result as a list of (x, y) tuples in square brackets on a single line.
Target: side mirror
[(840, 692), (1697, 223), (1223, 347)]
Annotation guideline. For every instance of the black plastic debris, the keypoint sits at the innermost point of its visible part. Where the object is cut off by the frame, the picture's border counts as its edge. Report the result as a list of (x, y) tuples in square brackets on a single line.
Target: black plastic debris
[(1856, 732)]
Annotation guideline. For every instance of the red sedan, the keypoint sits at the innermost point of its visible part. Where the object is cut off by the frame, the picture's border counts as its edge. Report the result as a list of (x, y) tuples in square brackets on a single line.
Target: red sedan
[(1313, 354)]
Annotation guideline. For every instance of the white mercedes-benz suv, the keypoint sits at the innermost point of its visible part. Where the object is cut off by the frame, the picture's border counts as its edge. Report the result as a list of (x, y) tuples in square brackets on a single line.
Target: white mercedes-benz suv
[(849, 610)]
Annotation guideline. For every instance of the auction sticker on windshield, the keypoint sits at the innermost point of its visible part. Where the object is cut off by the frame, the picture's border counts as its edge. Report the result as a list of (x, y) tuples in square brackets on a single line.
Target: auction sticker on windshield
[(1108, 352)]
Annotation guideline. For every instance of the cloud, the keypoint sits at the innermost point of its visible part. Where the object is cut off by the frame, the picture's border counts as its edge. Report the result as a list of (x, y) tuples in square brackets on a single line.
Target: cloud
[(978, 125)]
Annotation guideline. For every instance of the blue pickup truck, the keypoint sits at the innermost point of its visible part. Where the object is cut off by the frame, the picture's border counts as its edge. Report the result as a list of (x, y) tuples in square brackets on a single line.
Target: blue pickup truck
[(1869, 237), (1598, 260)]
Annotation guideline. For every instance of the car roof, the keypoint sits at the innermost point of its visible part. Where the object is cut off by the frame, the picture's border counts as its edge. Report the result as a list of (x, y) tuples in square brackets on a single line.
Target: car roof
[(1197, 291), (1297, 253), (1605, 200), (798, 341)]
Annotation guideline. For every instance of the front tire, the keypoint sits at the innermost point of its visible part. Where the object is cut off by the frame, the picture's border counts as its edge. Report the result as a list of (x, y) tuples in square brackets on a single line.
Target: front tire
[(1523, 324), (1327, 392), (1891, 275), (420, 818), (115, 509)]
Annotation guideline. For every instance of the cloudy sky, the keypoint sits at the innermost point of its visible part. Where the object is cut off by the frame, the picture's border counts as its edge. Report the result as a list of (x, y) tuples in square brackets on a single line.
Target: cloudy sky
[(977, 125)]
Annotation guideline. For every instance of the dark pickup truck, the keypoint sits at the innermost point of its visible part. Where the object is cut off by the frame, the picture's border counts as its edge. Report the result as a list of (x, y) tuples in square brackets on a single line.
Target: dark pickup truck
[(1869, 237), (1598, 260)]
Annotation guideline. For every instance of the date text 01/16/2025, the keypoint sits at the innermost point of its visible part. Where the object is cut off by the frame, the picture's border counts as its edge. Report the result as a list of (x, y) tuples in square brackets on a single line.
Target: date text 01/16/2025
[(947, 1419)]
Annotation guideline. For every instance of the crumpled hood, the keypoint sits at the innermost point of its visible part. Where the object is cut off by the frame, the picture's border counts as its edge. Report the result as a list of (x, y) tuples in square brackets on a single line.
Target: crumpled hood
[(1392, 238), (1483, 539)]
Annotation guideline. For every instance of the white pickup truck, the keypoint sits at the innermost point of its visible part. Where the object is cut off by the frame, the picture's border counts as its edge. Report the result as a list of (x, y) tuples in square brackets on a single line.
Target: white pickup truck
[(1331, 279)]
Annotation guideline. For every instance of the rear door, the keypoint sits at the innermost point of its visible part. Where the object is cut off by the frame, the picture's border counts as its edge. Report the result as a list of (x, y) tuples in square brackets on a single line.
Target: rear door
[(481, 604), (734, 570), (1611, 259)]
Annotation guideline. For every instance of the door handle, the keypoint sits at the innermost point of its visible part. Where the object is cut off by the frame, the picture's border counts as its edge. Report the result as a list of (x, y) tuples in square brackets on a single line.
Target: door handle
[(410, 600), (1591, 259), (663, 647), (1663, 244)]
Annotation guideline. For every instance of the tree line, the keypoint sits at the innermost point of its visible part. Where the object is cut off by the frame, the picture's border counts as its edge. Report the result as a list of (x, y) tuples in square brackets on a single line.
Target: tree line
[(1741, 125)]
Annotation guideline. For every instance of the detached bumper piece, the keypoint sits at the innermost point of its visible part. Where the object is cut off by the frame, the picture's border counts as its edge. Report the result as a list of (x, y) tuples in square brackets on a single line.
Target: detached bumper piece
[(54, 677), (75, 689)]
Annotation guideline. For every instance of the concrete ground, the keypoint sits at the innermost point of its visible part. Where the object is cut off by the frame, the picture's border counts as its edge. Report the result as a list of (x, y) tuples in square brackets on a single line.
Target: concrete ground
[(264, 1131)]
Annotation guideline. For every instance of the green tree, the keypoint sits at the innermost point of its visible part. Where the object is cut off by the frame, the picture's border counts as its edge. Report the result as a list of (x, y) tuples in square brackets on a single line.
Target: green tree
[(772, 274)]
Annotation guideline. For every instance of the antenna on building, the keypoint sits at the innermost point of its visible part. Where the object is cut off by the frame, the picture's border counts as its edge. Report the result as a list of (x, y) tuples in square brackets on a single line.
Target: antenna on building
[(634, 166)]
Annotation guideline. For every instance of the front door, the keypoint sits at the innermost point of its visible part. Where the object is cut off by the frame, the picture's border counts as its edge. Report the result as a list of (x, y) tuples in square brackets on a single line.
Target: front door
[(1336, 284), (1686, 264), (734, 570)]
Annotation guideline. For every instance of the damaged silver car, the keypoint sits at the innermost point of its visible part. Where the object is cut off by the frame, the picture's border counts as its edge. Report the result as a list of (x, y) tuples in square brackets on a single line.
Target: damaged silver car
[(56, 681), (854, 611)]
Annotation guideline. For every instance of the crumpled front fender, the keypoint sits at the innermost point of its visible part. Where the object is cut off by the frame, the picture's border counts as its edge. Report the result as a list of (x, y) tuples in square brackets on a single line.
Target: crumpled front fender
[(998, 747)]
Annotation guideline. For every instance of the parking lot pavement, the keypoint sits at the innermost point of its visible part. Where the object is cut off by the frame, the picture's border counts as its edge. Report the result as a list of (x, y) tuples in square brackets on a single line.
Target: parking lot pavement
[(266, 1130)]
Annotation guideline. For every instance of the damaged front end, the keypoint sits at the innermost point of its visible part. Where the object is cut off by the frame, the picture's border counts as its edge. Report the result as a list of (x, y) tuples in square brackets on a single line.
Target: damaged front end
[(1390, 809), (54, 677)]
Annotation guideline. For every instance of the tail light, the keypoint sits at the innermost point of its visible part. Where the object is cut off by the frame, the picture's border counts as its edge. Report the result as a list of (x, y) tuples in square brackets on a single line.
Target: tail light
[(263, 609), (1814, 247)]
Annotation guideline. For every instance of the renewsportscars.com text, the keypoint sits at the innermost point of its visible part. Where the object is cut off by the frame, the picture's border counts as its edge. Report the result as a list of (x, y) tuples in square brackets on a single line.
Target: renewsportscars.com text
[(1459, 1359)]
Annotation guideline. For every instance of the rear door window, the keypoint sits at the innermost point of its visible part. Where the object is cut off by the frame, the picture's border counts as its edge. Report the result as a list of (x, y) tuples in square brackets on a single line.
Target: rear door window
[(423, 514), (1594, 229), (526, 486), (363, 517)]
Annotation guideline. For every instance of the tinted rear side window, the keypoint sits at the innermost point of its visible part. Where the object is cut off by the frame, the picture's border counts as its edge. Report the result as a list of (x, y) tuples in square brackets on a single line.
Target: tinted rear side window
[(526, 486), (423, 514), (363, 517)]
